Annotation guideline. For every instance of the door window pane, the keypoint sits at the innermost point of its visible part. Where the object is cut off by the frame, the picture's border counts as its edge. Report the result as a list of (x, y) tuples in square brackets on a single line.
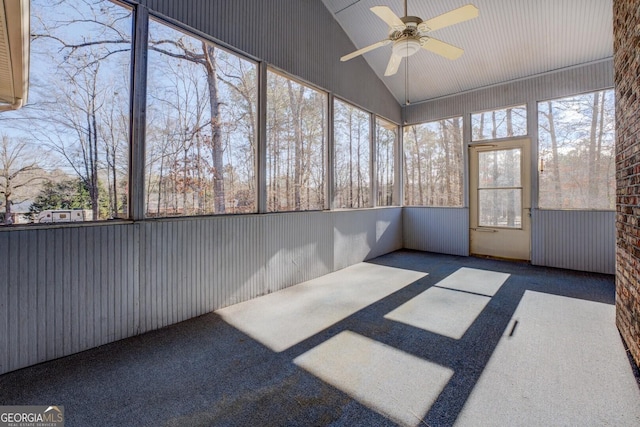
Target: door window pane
[(500, 208), (499, 168)]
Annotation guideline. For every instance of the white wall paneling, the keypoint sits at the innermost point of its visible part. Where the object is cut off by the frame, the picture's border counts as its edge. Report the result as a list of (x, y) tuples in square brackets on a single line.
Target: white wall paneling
[(67, 289), (577, 240), (443, 230)]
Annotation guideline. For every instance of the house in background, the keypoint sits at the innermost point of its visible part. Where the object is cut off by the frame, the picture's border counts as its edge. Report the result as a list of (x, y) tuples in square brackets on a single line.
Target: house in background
[(234, 154)]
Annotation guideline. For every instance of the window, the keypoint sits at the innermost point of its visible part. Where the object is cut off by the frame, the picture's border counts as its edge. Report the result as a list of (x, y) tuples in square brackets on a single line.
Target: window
[(352, 146), (67, 150), (296, 135), (505, 123), (500, 188), (385, 143), (433, 163), (201, 127), (576, 148)]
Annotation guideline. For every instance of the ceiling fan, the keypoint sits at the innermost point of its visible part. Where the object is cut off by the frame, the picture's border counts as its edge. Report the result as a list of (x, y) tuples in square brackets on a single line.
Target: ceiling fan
[(410, 33)]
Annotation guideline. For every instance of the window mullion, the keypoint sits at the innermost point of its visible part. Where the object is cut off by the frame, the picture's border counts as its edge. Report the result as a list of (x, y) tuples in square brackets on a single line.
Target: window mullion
[(138, 107)]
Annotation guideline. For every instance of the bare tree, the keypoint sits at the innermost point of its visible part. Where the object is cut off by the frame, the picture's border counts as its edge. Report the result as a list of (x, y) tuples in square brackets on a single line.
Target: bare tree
[(17, 170), (83, 43), (577, 146), (203, 55)]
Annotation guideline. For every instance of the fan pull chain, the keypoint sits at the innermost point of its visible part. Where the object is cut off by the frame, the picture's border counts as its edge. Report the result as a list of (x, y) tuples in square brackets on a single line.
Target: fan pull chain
[(406, 81)]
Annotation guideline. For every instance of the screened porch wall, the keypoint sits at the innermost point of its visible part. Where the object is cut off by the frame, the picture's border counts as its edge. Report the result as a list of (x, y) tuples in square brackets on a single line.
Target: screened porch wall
[(298, 36), (68, 289), (572, 239)]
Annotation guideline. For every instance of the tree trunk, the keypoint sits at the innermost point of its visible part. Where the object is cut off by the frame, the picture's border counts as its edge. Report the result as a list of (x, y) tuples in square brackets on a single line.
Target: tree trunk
[(592, 165), (418, 165), (446, 145), (349, 203), (494, 135), (93, 153), (555, 160), (296, 106), (605, 203), (480, 131), (459, 170), (7, 207), (511, 202), (408, 195), (216, 132)]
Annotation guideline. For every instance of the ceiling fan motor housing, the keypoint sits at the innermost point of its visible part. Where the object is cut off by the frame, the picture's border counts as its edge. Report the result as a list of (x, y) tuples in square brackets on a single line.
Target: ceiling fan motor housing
[(409, 34)]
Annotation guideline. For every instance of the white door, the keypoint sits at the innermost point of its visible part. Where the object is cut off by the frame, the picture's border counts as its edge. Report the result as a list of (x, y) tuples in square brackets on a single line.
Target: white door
[(500, 199)]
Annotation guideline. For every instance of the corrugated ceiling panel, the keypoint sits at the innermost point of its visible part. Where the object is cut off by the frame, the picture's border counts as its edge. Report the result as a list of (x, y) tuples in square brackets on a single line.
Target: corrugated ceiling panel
[(335, 6), (509, 40)]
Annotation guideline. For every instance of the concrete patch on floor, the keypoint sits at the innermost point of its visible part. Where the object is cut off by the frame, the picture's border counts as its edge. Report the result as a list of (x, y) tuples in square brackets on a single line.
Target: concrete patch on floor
[(288, 317), (441, 311), (562, 363), (393, 383)]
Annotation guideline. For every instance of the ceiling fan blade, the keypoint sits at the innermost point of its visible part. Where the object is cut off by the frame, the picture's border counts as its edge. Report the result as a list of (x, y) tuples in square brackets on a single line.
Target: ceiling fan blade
[(365, 50), (389, 17), (441, 48), (392, 66), (455, 16)]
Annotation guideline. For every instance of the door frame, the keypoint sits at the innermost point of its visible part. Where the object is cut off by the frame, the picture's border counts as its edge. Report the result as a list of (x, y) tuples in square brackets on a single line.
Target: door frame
[(481, 237)]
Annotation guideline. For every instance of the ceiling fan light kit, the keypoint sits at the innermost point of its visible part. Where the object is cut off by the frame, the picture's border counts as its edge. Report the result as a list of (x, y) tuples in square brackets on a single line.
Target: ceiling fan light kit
[(406, 47), (409, 34)]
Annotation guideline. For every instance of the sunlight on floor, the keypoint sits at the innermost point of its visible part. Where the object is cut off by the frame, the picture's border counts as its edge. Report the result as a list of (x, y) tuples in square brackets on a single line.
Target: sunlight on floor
[(473, 280), (391, 382), (451, 306), (288, 317), (555, 366), (441, 311)]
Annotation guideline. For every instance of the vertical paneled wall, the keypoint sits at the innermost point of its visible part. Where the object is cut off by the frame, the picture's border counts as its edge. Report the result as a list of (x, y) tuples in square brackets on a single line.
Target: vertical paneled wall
[(443, 230), (577, 240), (580, 240), (64, 290)]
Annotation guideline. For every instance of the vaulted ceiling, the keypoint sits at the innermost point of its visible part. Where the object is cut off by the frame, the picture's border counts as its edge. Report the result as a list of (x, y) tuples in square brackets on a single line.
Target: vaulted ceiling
[(509, 40)]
